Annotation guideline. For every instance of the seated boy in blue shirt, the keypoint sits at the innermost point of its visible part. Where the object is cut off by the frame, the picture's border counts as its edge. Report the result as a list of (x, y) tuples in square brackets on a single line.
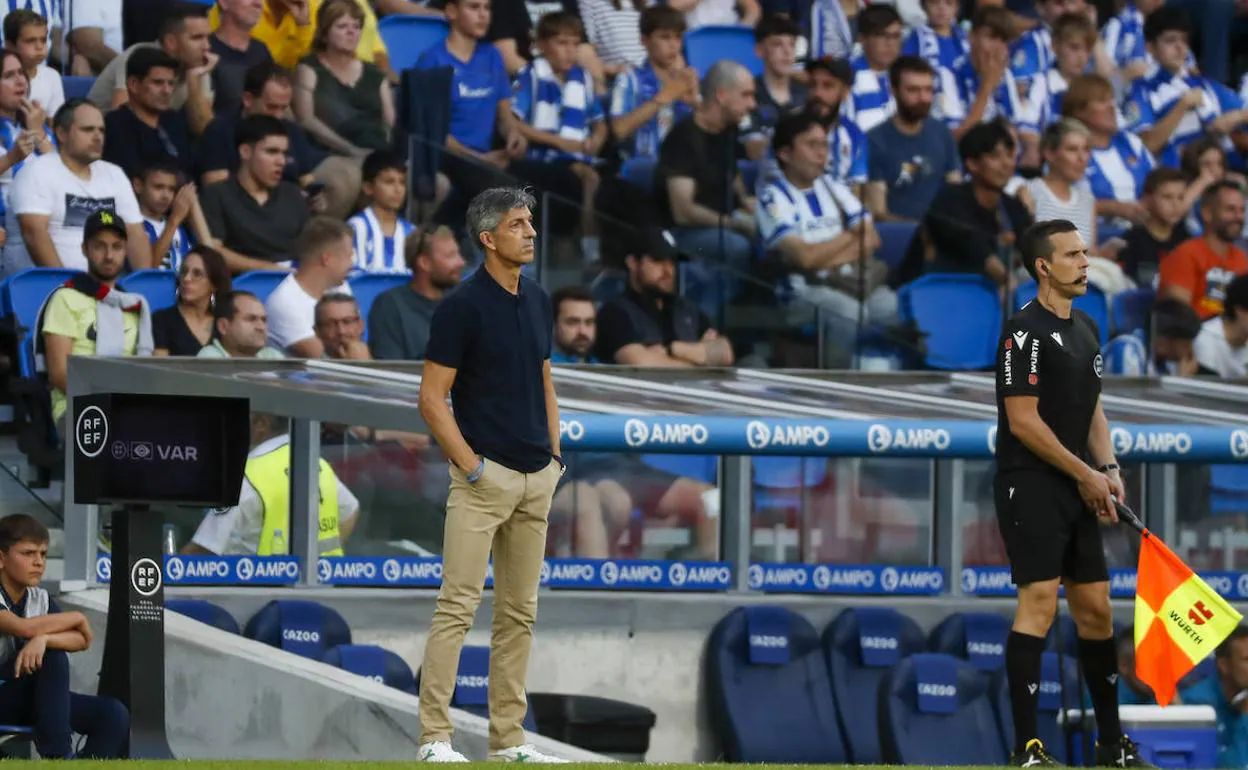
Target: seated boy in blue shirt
[(35, 641), (380, 230)]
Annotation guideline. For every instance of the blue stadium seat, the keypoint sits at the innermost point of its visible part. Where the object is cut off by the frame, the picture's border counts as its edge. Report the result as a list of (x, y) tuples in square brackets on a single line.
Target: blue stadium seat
[(937, 710), (1129, 310), (779, 481), (160, 287), (376, 663), (1228, 488), (977, 637), (301, 627), (1093, 303), (861, 644), (24, 295), (1126, 354), (895, 240), (768, 689), (260, 282), (639, 172), (703, 468), (77, 87), (706, 45), (205, 612), (472, 685), (407, 37), (966, 339), (366, 286), (1048, 705)]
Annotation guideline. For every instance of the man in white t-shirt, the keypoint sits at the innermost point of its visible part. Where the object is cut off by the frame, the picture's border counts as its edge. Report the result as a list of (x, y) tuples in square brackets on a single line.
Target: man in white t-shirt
[(51, 199), (325, 252), (244, 529), (1222, 345), (94, 32)]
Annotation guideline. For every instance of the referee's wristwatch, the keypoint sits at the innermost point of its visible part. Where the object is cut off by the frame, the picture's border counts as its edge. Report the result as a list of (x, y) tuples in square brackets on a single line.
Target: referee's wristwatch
[(1106, 468), (475, 476)]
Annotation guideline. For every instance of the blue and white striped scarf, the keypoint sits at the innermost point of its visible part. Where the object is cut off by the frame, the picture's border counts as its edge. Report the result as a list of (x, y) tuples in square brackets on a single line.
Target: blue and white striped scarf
[(558, 108), (375, 252)]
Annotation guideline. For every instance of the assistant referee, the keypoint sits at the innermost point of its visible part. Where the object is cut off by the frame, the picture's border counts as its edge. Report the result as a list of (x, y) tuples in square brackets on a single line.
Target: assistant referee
[(489, 349), (1056, 476)]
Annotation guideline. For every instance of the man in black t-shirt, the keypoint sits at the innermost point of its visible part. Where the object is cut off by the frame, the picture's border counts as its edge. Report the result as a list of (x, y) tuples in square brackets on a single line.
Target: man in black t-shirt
[(1056, 476)]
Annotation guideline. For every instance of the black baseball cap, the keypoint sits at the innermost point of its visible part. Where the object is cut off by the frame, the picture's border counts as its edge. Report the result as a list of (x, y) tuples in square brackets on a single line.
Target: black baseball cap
[(104, 219), (656, 243)]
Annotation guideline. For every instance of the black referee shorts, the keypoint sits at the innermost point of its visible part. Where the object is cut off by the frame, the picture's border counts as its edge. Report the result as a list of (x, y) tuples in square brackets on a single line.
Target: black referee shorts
[(1048, 531)]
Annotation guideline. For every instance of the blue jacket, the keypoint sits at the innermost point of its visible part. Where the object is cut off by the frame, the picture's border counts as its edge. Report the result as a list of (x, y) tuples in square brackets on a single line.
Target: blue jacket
[(1232, 722)]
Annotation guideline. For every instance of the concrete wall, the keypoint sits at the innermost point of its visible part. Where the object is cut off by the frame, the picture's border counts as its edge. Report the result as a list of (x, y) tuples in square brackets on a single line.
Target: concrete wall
[(645, 649), (230, 698)]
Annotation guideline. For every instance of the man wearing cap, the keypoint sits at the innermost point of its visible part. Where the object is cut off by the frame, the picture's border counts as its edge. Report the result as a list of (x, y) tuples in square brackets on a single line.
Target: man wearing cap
[(89, 316), (650, 325)]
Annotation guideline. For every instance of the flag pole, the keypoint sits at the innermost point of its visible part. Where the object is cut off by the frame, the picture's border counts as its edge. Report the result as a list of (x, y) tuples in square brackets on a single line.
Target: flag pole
[(1127, 515)]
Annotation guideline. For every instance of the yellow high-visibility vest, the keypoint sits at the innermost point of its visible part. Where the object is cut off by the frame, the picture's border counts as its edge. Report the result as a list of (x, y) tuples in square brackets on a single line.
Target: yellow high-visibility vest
[(269, 473)]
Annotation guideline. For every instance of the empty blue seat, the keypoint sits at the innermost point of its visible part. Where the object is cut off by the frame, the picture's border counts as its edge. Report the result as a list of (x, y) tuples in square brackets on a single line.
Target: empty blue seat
[(895, 240), (861, 644), (704, 468), (768, 689), (24, 295), (160, 287), (260, 282), (937, 710), (77, 87), (366, 286), (1056, 692), (205, 612), (301, 627), (472, 685), (1093, 303), (706, 45), (779, 481), (639, 172), (407, 37), (977, 637), (1125, 355), (1129, 310), (966, 339), (376, 663)]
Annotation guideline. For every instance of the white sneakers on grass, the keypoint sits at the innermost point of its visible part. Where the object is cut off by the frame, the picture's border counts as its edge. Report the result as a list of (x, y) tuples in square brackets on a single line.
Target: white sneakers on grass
[(441, 751)]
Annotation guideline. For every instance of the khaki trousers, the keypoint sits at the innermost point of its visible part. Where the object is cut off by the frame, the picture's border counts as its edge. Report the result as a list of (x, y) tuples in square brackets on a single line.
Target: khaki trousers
[(505, 512)]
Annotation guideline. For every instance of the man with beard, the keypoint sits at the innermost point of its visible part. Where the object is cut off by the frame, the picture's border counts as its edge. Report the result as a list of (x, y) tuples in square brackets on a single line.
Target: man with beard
[(910, 155), (1198, 271), (972, 227), (575, 326), (398, 322), (146, 129), (829, 83), (88, 316)]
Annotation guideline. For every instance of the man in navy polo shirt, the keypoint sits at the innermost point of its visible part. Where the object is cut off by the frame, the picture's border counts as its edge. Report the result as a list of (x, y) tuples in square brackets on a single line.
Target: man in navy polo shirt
[(489, 349), (480, 100)]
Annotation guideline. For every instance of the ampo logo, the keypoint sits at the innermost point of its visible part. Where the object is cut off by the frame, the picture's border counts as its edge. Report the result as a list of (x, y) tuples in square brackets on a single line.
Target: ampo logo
[(573, 430), (635, 433), (544, 575), (390, 570), (1241, 586), (889, 579), (1121, 439), (677, 574), (324, 570), (175, 568), (879, 438), (822, 577), (969, 580), (103, 568), (757, 434), (754, 576), (245, 568), (1239, 444), (609, 572)]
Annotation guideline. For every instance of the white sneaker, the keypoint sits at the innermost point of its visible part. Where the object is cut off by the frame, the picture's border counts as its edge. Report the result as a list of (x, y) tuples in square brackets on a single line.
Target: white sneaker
[(438, 751), (525, 753)]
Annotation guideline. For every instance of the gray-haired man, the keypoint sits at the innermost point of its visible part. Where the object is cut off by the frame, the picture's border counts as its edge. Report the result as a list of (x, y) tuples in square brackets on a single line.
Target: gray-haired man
[(489, 349)]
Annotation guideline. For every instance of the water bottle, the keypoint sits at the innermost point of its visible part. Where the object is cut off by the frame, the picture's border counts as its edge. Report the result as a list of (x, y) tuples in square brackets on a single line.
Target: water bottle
[(169, 539)]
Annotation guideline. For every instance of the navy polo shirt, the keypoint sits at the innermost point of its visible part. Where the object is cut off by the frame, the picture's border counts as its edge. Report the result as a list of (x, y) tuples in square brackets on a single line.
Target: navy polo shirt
[(497, 342)]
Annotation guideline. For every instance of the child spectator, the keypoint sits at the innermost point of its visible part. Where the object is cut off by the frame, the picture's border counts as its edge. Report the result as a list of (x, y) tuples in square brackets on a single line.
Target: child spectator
[(1161, 232), (1123, 39), (166, 211), (36, 638), (27, 33), (647, 101), (776, 93), (1073, 38), (941, 42), (562, 121), (380, 232), (1031, 55), (1173, 107), (870, 99), (1198, 271)]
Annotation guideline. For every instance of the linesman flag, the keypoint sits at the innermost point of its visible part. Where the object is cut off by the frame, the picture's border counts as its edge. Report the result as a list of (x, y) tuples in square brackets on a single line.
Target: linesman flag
[(1179, 619)]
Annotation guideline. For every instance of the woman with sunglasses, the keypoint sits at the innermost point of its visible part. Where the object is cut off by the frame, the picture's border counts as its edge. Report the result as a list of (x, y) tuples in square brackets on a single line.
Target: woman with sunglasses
[(184, 328)]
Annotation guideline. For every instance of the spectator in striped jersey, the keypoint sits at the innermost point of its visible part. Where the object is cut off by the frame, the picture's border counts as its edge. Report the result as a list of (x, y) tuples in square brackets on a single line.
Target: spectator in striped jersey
[(1073, 38), (941, 41), (870, 98), (1123, 38), (167, 211), (829, 83), (27, 33), (380, 231), (648, 100)]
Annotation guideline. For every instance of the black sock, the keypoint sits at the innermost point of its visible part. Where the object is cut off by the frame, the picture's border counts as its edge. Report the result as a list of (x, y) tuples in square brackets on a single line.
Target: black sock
[(1022, 668), (1100, 668)]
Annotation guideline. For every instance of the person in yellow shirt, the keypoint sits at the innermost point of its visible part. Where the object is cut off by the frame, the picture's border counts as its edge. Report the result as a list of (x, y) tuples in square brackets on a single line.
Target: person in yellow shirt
[(287, 27)]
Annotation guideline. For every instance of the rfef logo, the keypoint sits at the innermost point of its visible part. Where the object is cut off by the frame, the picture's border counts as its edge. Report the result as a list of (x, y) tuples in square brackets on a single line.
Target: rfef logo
[(145, 577), (91, 431)]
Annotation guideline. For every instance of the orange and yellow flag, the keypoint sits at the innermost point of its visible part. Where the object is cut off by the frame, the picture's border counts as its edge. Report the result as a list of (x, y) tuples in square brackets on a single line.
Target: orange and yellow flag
[(1179, 619)]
